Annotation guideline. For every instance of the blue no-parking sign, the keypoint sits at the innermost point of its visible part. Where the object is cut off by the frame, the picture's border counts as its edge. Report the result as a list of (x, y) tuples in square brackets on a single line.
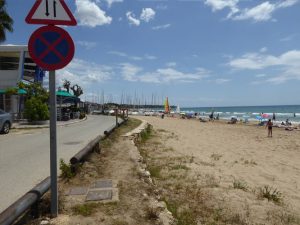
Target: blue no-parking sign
[(51, 47)]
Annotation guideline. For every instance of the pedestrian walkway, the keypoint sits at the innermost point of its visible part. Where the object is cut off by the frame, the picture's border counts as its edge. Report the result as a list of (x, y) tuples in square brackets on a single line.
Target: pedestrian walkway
[(45, 124)]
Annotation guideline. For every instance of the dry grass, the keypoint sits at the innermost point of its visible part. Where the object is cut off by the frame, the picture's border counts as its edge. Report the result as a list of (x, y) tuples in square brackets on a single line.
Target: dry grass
[(240, 184), (190, 199), (270, 193), (84, 209)]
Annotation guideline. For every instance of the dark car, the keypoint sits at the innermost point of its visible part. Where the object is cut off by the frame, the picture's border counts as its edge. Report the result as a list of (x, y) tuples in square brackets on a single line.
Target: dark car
[(5, 122)]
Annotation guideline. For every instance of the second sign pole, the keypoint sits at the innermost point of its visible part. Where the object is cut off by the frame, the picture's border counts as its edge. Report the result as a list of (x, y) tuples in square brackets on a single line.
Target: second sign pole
[(53, 145)]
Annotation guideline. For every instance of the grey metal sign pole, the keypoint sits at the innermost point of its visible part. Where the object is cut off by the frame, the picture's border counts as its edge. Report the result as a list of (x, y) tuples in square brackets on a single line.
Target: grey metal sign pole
[(53, 145)]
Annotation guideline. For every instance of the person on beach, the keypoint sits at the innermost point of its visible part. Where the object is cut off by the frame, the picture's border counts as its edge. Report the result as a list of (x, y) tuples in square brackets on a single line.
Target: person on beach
[(269, 125), (274, 117), (211, 116)]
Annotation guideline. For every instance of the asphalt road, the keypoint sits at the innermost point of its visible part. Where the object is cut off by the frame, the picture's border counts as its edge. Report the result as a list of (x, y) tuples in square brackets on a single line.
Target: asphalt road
[(25, 154)]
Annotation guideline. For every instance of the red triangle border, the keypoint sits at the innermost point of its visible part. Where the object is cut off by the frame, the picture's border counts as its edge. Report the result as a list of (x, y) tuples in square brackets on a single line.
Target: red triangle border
[(30, 20)]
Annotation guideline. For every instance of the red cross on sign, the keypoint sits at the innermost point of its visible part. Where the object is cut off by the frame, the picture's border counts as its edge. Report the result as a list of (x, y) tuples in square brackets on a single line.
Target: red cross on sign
[(51, 47)]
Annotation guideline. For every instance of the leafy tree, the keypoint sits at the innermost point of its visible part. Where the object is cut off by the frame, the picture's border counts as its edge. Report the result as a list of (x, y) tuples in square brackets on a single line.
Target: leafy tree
[(36, 110), (6, 22), (36, 104), (77, 90), (67, 85), (11, 91), (35, 90)]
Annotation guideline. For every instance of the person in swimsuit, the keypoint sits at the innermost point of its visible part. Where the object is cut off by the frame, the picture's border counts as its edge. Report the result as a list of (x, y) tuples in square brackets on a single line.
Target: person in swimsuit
[(269, 125)]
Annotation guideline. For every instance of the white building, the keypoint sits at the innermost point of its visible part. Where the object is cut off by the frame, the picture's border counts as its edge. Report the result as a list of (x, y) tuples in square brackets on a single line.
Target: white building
[(15, 66)]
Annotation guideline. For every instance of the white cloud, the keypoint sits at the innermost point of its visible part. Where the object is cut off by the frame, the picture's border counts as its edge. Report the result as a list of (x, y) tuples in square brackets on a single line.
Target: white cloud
[(287, 63), (121, 54), (136, 58), (87, 44), (264, 49), (217, 5), (162, 75), (221, 81), (253, 61), (132, 20), (147, 14), (150, 57), (85, 73), (260, 75), (261, 12), (287, 3), (171, 64), (288, 38), (161, 7), (110, 2), (129, 72), (90, 14), (160, 27)]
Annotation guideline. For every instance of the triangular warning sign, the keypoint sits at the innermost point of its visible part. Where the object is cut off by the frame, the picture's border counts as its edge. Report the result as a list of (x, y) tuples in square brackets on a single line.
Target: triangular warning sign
[(54, 12)]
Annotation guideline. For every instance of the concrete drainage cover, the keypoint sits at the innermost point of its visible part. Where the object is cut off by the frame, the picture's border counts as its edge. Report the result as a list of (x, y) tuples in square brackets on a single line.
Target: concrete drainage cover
[(98, 195), (78, 191), (102, 184)]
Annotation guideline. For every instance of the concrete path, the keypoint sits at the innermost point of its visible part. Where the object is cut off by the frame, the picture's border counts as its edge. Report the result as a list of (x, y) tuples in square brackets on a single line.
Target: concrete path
[(24, 154)]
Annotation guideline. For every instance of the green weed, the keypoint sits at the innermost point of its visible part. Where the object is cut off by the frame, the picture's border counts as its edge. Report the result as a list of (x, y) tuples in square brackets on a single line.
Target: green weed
[(240, 185), (66, 170), (85, 209), (155, 171), (270, 193), (216, 157)]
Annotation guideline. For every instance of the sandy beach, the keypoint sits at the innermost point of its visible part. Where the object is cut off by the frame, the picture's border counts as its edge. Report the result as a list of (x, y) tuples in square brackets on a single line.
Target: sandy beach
[(240, 154)]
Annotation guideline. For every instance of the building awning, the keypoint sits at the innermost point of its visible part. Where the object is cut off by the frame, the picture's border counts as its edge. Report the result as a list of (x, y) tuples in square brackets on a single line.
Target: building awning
[(65, 94), (20, 91)]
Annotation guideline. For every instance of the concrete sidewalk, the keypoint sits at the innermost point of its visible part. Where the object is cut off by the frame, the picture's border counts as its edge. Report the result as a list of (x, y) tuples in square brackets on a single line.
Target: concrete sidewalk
[(26, 125)]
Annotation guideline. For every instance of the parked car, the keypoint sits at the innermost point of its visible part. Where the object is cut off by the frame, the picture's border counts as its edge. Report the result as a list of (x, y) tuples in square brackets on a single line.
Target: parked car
[(5, 122)]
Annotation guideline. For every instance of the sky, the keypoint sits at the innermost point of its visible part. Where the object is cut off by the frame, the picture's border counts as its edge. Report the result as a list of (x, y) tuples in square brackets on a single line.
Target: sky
[(196, 52)]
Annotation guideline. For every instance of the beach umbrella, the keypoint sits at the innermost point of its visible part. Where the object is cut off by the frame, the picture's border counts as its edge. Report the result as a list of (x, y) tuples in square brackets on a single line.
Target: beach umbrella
[(265, 116)]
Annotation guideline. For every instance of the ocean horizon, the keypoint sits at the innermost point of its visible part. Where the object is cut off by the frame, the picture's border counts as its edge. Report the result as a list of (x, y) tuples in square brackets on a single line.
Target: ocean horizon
[(282, 112)]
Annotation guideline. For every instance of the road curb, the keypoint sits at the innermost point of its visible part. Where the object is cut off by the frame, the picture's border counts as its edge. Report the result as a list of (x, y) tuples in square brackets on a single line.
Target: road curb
[(20, 127)]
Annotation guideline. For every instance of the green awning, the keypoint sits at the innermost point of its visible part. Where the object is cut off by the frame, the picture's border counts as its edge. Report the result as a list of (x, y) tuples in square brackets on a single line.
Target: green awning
[(20, 91), (64, 94)]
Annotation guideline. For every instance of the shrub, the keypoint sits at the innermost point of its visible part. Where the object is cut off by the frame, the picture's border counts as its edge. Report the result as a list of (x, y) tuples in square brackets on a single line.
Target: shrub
[(66, 170), (270, 193), (82, 115), (240, 185), (36, 110)]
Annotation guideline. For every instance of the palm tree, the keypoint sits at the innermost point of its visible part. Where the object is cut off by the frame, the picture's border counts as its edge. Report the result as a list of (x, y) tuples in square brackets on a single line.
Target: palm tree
[(77, 90), (67, 85), (6, 21)]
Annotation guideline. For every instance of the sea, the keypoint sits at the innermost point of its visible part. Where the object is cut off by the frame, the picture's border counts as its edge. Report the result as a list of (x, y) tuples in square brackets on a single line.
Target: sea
[(282, 112)]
